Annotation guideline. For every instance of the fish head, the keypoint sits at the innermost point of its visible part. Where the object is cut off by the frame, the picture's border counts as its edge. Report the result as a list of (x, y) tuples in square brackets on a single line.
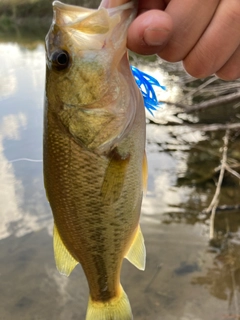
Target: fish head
[(88, 74), (83, 48)]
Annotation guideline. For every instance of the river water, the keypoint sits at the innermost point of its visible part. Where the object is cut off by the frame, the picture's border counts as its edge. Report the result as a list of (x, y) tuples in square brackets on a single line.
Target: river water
[(187, 277)]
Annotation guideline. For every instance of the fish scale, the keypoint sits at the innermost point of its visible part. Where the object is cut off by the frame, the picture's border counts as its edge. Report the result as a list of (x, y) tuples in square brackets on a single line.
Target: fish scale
[(94, 157)]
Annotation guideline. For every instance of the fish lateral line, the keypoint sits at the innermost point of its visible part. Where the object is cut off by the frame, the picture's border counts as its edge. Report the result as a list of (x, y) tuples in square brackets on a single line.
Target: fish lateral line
[(93, 164)]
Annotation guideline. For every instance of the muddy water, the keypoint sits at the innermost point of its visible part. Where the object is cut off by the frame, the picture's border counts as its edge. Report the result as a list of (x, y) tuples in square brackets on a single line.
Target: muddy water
[(187, 277)]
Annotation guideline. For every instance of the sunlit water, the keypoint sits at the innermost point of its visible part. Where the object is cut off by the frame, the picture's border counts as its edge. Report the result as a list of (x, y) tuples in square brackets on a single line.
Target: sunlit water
[(183, 280)]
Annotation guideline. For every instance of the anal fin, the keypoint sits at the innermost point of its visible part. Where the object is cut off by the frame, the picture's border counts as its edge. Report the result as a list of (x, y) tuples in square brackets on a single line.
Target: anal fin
[(137, 252), (64, 260)]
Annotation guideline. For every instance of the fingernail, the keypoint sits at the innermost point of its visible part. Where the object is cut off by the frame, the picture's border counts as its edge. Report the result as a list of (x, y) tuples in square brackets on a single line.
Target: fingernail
[(155, 37)]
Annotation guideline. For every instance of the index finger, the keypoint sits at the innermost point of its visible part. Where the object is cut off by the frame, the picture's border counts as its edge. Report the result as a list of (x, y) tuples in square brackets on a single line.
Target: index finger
[(145, 5)]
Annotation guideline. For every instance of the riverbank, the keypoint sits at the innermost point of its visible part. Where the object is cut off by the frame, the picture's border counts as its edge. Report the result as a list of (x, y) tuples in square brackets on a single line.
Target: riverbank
[(30, 18)]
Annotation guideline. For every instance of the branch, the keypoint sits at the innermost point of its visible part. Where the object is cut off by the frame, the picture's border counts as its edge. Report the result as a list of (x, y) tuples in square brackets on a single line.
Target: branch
[(235, 294), (233, 172), (228, 207), (176, 104), (213, 102), (215, 127), (199, 88), (205, 104), (213, 205)]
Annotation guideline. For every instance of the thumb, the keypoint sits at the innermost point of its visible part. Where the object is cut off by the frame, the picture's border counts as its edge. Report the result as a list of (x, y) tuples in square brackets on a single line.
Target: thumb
[(150, 32)]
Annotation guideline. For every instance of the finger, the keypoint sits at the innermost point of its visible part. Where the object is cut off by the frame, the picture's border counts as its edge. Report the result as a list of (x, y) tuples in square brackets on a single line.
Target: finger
[(218, 43), (149, 32), (190, 19), (231, 69), (143, 5), (112, 3), (146, 5)]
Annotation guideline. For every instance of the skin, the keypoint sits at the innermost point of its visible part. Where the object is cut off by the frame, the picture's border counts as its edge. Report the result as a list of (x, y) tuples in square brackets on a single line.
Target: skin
[(204, 35), (94, 141)]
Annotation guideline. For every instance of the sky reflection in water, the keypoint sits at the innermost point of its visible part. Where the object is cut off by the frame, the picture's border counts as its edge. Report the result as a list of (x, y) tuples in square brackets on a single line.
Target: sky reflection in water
[(21, 100)]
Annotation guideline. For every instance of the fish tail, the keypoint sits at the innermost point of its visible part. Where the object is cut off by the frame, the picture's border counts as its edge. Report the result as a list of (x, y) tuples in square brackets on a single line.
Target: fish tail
[(117, 308)]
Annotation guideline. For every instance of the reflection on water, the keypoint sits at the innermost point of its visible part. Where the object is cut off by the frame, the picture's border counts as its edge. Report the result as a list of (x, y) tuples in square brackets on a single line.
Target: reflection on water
[(186, 277), (21, 96), (11, 188)]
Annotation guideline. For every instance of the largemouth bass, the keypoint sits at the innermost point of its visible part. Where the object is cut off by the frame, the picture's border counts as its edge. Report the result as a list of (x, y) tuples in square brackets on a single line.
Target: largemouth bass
[(94, 160)]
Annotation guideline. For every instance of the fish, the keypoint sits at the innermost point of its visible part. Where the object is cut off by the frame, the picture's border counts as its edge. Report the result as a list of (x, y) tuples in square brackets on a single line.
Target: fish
[(94, 160)]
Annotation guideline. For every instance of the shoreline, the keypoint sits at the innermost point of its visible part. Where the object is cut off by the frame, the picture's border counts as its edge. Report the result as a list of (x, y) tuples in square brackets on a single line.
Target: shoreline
[(31, 18), (32, 28)]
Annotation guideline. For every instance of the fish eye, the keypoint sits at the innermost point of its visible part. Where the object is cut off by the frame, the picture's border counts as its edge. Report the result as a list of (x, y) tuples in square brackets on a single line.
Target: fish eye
[(60, 59)]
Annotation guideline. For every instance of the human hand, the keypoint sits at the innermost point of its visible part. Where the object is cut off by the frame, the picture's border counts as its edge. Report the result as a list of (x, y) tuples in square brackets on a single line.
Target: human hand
[(204, 34)]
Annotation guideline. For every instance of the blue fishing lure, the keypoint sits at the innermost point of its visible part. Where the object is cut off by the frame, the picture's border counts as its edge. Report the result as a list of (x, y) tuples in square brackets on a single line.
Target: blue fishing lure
[(145, 83)]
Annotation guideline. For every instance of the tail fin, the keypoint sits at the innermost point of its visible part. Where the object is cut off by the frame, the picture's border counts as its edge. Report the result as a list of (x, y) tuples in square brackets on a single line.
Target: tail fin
[(116, 309)]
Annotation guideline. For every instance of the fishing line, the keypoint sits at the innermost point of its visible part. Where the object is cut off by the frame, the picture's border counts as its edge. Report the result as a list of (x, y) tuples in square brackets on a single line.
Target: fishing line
[(145, 83), (25, 159)]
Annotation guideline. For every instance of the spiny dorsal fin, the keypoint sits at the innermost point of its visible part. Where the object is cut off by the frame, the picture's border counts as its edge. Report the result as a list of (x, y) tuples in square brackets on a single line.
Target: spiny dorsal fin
[(64, 260), (137, 252)]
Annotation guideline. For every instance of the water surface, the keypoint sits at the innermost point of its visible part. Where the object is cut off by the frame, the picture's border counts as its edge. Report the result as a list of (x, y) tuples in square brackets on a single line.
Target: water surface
[(186, 278)]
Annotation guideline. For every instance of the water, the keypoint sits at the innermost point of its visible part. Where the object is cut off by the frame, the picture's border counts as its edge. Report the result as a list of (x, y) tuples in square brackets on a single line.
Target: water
[(186, 277)]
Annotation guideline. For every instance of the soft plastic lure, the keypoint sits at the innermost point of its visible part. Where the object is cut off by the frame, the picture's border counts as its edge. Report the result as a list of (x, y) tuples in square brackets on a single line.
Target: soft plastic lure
[(145, 83)]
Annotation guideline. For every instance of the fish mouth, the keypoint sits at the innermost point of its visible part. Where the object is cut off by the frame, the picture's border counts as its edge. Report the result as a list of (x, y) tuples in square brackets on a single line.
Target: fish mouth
[(91, 29), (66, 14), (84, 19), (70, 7)]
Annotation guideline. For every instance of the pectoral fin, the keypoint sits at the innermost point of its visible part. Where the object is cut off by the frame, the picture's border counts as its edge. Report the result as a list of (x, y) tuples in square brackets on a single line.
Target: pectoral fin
[(137, 252), (114, 176), (64, 261)]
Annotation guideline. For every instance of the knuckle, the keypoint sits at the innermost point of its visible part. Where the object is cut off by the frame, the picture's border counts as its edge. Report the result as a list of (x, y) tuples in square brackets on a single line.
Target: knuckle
[(231, 69), (170, 55), (173, 52), (228, 74), (232, 15), (199, 63)]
